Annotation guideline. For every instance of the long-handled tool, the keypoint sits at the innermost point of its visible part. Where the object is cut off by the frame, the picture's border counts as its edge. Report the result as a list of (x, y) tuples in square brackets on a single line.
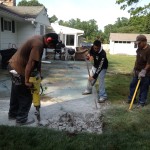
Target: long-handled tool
[(98, 70), (94, 89), (137, 86)]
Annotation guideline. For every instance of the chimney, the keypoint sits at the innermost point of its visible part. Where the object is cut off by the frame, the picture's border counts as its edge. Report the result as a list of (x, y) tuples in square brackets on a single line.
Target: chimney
[(8, 2)]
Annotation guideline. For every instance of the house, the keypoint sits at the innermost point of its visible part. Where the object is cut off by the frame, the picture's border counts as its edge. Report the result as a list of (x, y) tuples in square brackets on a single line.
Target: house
[(69, 36), (17, 23), (123, 43)]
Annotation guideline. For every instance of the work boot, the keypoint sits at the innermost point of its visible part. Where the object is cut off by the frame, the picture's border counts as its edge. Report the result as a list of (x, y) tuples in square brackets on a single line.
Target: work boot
[(86, 92), (102, 100), (11, 117), (29, 121), (139, 106)]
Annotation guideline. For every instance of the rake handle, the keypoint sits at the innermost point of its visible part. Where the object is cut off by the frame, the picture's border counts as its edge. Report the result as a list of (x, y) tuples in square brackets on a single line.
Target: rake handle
[(134, 94)]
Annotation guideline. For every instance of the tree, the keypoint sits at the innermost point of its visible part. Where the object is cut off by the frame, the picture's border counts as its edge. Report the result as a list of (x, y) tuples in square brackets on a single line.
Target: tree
[(90, 27), (133, 10), (29, 3), (53, 19), (147, 24)]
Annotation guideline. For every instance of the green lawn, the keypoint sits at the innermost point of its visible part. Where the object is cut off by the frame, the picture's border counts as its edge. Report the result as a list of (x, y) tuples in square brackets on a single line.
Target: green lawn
[(122, 129)]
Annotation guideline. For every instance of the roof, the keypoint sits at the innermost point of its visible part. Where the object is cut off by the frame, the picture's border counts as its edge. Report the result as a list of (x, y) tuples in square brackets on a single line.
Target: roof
[(65, 30), (126, 37), (27, 11), (23, 11)]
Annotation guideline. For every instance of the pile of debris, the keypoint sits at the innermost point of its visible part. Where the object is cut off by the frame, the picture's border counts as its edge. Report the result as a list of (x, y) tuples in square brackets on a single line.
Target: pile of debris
[(76, 123)]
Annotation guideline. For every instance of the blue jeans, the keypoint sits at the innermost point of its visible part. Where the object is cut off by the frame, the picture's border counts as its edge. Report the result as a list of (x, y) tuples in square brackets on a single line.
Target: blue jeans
[(102, 92), (143, 87)]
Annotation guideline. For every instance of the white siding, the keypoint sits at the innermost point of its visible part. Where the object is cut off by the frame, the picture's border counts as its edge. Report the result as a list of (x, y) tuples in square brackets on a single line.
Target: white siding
[(7, 38), (25, 30), (42, 18), (122, 48)]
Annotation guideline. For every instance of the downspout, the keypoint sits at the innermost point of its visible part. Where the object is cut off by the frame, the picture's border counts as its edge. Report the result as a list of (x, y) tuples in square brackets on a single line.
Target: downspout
[(78, 38)]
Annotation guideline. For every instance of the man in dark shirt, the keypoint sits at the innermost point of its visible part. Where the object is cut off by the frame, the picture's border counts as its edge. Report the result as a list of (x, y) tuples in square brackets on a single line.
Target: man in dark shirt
[(141, 71), (26, 60), (100, 64)]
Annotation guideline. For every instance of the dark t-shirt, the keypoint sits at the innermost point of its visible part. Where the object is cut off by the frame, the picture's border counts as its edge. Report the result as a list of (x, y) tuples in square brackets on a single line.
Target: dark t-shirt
[(31, 49), (142, 58), (98, 56)]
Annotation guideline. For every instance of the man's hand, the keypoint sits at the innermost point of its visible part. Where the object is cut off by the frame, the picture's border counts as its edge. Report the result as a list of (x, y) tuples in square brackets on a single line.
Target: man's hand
[(28, 84), (91, 79), (91, 58), (142, 73)]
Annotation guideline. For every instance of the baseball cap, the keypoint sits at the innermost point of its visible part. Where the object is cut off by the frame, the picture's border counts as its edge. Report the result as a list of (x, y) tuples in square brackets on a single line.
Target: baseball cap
[(141, 38)]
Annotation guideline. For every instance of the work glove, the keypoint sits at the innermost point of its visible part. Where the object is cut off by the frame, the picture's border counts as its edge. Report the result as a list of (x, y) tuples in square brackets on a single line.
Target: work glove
[(142, 73)]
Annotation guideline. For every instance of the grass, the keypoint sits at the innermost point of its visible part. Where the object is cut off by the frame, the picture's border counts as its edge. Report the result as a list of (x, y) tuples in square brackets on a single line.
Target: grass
[(122, 129)]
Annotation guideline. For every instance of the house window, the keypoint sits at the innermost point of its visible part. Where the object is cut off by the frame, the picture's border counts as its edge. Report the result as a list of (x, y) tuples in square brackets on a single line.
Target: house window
[(7, 25), (41, 30), (70, 40), (128, 42)]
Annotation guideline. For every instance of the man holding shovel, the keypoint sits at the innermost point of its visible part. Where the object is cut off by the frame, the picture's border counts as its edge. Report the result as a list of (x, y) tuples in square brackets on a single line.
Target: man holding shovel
[(100, 64), (141, 71)]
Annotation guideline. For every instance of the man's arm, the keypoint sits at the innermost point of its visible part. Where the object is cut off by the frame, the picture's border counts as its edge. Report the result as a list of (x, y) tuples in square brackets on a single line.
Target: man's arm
[(98, 70), (29, 67)]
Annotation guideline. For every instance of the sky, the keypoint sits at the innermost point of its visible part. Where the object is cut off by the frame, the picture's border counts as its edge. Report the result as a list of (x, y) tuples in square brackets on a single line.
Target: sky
[(104, 12)]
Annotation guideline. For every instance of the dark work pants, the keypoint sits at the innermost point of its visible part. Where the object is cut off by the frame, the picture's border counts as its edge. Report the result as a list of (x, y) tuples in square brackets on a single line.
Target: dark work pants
[(20, 100), (143, 89)]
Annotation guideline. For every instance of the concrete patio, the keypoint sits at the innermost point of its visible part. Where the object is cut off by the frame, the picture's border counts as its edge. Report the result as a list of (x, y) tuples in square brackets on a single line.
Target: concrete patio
[(63, 107)]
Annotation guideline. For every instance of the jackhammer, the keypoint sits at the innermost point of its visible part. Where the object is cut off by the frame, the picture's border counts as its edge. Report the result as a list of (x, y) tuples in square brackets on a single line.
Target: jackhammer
[(35, 79)]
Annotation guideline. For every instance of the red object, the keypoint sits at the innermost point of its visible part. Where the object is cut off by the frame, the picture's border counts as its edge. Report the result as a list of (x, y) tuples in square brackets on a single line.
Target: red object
[(49, 39)]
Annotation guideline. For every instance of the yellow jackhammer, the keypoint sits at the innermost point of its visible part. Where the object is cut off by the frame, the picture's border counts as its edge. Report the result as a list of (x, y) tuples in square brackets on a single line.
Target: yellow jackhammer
[(35, 90)]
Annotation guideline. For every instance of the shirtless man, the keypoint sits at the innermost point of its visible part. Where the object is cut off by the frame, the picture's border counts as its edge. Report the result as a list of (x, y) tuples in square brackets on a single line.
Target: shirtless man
[(26, 60)]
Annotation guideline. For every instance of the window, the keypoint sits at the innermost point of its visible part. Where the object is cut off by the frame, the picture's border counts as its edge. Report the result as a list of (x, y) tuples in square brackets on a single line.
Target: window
[(128, 42), (70, 40), (41, 30), (7, 25)]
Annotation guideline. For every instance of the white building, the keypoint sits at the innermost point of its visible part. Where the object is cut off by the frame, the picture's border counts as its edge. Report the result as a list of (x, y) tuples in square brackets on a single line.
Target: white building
[(123, 43), (69, 36), (18, 23)]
